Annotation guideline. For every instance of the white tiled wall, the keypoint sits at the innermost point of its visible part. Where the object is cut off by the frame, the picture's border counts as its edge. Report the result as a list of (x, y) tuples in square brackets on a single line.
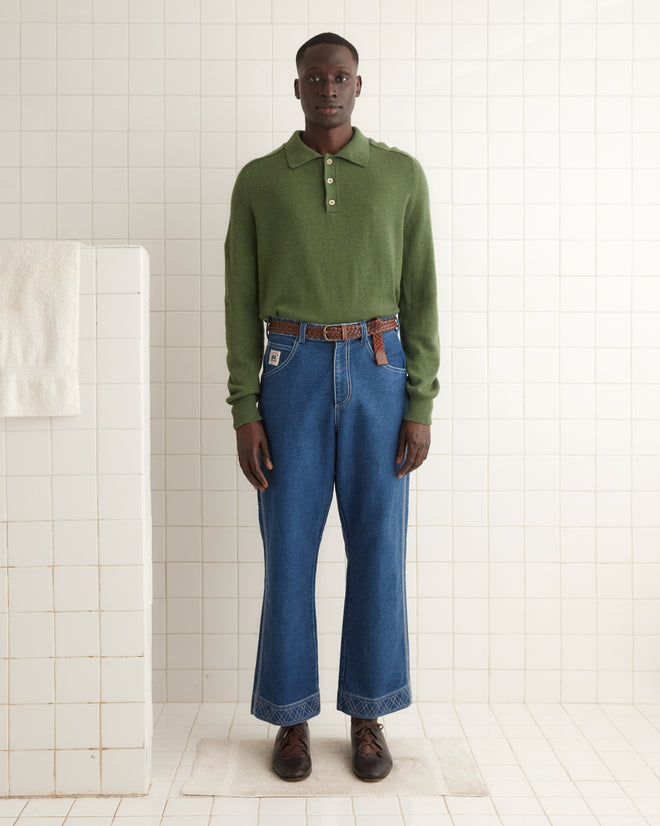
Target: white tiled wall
[(75, 543), (534, 525)]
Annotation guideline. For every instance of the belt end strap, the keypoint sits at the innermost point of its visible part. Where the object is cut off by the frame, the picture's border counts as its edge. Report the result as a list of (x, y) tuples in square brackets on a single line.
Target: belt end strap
[(379, 348)]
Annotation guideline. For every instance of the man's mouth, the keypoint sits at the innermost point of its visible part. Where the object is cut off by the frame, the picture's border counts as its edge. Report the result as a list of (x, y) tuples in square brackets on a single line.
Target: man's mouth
[(328, 110)]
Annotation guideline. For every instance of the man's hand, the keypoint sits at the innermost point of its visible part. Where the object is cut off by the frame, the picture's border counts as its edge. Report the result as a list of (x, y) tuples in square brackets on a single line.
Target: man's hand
[(414, 442), (251, 441)]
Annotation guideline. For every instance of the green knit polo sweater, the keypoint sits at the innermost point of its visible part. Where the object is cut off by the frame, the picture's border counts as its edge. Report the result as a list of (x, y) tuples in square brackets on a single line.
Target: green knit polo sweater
[(330, 239)]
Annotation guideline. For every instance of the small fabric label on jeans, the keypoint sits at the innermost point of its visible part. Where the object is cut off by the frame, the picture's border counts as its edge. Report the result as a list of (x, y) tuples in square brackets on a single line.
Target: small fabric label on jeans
[(274, 357)]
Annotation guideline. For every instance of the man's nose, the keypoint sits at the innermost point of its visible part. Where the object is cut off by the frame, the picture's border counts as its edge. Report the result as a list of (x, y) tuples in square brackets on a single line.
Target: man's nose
[(329, 88)]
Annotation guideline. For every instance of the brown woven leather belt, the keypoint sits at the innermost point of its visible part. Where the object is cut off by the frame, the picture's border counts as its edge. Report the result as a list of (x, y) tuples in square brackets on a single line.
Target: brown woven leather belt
[(340, 332)]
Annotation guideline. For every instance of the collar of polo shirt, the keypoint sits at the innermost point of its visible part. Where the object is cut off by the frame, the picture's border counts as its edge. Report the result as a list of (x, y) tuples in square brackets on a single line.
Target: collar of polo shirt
[(356, 150)]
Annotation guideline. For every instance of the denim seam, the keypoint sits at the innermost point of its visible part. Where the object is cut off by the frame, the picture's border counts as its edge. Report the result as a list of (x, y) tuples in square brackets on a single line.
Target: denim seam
[(376, 699), (404, 538), (334, 399), (349, 388), (348, 600), (358, 706), (286, 714), (289, 705), (257, 680), (312, 594)]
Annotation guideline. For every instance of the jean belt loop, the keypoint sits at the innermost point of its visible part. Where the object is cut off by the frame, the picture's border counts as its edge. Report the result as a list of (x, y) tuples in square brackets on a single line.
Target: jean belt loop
[(363, 325), (301, 334)]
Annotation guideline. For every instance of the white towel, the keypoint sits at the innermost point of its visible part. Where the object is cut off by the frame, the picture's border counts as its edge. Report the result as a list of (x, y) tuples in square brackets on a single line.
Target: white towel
[(39, 323)]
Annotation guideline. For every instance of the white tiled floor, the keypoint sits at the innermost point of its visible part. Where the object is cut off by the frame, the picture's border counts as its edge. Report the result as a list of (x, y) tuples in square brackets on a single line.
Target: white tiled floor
[(564, 765)]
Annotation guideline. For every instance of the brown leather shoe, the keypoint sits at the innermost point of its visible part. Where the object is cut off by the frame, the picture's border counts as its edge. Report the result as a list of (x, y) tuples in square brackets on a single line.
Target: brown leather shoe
[(291, 758), (371, 758)]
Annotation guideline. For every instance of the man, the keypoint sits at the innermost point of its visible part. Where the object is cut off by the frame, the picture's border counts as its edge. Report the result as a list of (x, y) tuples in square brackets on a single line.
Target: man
[(329, 240)]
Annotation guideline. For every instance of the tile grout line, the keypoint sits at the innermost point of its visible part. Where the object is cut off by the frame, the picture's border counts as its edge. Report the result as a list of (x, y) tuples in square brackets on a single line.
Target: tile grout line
[(655, 728), (524, 370), (489, 463), (466, 736), (561, 707), (518, 760), (596, 442), (166, 423), (559, 429), (631, 362), (451, 416), (589, 740), (200, 365)]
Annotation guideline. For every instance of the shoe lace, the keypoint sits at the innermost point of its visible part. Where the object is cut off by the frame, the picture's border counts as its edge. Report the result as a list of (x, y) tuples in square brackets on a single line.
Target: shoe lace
[(294, 741), (366, 737)]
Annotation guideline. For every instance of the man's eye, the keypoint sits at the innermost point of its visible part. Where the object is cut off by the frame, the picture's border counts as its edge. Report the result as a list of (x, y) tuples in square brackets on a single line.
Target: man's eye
[(313, 79), (342, 78)]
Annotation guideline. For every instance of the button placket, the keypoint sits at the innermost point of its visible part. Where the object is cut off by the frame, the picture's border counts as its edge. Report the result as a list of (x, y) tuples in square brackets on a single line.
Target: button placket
[(330, 184)]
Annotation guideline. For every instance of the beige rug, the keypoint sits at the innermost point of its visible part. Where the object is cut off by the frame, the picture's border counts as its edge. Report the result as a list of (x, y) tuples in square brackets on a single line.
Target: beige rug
[(422, 768)]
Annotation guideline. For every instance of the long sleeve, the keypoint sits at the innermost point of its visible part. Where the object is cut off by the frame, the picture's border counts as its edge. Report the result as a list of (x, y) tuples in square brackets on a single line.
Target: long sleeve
[(288, 255), (244, 328), (418, 311)]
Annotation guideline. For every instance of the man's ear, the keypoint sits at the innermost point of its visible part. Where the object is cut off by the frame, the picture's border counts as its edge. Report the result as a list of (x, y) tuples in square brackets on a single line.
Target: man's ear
[(359, 86), (296, 91)]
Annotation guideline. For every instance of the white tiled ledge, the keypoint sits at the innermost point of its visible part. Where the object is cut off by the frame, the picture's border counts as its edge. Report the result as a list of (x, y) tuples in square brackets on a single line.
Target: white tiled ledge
[(75, 551)]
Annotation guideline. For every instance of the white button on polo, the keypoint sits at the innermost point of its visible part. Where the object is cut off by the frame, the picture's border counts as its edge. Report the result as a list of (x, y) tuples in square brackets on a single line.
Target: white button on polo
[(329, 161), (331, 202), (330, 180)]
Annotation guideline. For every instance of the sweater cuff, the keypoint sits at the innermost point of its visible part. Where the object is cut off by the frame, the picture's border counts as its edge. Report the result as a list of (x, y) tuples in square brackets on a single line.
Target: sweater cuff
[(244, 410), (419, 410)]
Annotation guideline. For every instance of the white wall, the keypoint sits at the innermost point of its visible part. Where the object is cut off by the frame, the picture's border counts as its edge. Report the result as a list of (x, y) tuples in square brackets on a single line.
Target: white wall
[(534, 525)]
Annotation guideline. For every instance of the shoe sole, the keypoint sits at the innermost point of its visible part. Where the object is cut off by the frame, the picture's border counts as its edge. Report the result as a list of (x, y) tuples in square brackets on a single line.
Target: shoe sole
[(372, 779)]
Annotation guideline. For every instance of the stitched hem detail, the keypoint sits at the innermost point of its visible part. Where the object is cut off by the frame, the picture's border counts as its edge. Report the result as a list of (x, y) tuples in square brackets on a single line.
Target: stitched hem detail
[(363, 707), (287, 715)]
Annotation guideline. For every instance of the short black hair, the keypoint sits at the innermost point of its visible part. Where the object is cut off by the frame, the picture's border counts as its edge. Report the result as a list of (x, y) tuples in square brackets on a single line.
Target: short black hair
[(326, 37)]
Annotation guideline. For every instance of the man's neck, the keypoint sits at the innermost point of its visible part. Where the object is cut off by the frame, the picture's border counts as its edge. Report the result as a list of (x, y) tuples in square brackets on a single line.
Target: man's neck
[(327, 141)]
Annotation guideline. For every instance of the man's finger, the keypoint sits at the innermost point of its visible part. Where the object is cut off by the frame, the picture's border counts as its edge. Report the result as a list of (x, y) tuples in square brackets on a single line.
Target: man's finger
[(256, 471), (409, 464), (250, 466), (248, 472), (265, 454), (251, 442), (400, 447), (416, 455)]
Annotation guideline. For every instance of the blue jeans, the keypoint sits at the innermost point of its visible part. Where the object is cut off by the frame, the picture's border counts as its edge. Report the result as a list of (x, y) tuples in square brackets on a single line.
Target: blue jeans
[(332, 418)]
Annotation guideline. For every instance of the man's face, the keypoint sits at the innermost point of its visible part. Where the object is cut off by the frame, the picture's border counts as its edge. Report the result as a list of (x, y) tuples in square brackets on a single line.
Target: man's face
[(327, 85)]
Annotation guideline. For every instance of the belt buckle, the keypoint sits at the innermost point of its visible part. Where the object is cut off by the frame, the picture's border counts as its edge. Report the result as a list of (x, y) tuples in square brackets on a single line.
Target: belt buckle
[(325, 334)]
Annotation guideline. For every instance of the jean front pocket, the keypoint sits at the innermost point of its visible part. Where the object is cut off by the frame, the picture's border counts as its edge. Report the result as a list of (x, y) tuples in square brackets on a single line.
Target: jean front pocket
[(396, 360), (279, 354)]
